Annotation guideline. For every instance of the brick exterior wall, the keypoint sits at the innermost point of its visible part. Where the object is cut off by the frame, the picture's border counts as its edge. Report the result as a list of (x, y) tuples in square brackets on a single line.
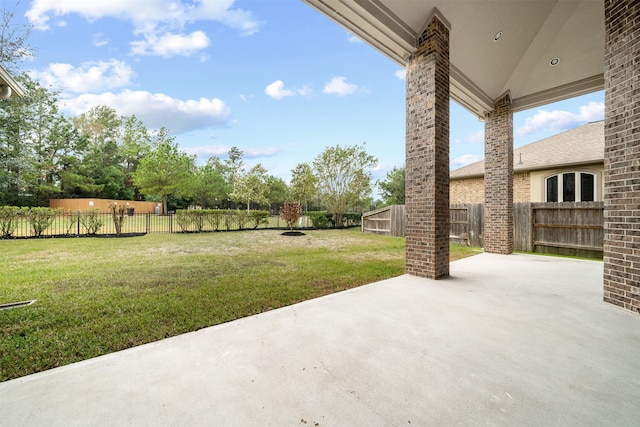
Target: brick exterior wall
[(471, 190), (522, 188), (622, 155), (467, 190), (498, 174), (427, 151)]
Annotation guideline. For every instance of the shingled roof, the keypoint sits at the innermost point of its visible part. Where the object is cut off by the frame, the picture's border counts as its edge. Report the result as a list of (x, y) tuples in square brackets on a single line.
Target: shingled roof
[(578, 146)]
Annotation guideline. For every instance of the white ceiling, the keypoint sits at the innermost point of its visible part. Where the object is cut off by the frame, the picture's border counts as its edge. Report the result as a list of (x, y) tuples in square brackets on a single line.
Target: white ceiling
[(483, 70)]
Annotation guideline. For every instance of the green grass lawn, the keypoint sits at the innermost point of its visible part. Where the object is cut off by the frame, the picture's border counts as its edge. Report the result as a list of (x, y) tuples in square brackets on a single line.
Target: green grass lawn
[(99, 295)]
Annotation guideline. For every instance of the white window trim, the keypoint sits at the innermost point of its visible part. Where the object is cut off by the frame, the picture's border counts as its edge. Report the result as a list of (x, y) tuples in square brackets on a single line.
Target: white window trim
[(578, 189)]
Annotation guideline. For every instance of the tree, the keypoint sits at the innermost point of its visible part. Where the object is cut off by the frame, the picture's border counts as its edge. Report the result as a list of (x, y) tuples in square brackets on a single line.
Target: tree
[(14, 39), (210, 188), (251, 187), (101, 124), (303, 184), (392, 187), (291, 212), (103, 162), (343, 176), (165, 170), (234, 165), (277, 192), (35, 142), (136, 143)]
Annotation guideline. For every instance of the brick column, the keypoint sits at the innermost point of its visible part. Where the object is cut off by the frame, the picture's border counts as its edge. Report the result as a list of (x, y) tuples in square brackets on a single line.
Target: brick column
[(498, 179), (622, 154), (427, 151)]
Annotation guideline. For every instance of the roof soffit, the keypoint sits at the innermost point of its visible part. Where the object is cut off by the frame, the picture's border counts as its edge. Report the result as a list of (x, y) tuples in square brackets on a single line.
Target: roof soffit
[(533, 32)]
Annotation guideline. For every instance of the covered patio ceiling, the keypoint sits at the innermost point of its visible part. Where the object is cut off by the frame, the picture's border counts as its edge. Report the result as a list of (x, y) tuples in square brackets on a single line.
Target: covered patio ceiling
[(538, 51)]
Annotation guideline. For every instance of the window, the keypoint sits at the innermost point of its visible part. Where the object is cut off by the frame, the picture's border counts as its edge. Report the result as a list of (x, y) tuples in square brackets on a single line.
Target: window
[(571, 187), (568, 187), (552, 189)]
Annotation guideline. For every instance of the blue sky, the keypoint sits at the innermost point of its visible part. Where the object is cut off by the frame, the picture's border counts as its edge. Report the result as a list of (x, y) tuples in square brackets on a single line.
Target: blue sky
[(275, 78)]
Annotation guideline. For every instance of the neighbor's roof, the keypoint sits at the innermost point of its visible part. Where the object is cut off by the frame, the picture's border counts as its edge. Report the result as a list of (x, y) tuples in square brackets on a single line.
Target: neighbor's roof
[(582, 145)]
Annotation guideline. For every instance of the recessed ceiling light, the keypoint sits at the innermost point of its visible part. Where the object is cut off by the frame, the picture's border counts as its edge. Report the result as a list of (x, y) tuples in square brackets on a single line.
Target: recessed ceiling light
[(497, 36), (554, 62)]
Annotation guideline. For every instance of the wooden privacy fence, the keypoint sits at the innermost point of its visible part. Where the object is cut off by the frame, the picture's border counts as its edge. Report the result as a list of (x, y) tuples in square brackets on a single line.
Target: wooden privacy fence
[(568, 228), (82, 205), (388, 221), (558, 228), (466, 223), (575, 229)]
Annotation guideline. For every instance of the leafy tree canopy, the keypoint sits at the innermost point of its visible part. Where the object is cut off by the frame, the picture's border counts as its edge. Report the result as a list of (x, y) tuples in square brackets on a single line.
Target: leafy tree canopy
[(303, 184), (251, 187), (165, 170), (392, 188), (343, 175)]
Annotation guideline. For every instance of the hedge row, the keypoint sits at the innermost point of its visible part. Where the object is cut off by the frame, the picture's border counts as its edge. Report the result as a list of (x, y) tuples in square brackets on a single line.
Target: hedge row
[(322, 219), (39, 219), (216, 219)]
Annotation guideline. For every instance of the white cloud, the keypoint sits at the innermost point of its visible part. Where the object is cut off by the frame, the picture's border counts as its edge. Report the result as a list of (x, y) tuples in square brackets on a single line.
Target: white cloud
[(465, 160), (354, 39), (472, 138), (304, 90), (245, 98), (168, 44), (88, 77), (99, 40), (156, 110), (339, 86), (207, 151), (401, 74), (253, 153), (276, 90), (168, 12), (159, 21), (559, 120)]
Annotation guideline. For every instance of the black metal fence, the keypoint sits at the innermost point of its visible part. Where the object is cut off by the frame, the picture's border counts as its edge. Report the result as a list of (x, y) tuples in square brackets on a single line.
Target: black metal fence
[(101, 224)]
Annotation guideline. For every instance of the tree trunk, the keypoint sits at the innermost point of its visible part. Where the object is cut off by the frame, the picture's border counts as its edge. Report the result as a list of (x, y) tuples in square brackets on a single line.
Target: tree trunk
[(164, 204)]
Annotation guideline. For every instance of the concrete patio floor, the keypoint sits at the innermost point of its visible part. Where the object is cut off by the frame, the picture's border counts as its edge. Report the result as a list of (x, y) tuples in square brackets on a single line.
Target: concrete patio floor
[(506, 341)]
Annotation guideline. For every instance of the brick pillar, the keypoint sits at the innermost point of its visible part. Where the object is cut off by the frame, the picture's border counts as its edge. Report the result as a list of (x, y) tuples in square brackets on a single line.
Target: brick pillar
[(622, 155), (498, 179), (427, 151)]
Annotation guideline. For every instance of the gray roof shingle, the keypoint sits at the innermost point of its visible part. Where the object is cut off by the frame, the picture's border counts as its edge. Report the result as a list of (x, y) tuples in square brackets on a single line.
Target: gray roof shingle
[(581, 145)]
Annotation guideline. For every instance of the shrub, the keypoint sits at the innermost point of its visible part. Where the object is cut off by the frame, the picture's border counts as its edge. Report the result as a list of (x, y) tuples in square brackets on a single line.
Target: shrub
[(351, 219), (320, 219), (72, 222), (183, 219), (90, 220), (117, 213), (9, 220), (214, 218), (255, 218), (229, 219), (291, 212), (40, 219), (197, 218), (241, 219)]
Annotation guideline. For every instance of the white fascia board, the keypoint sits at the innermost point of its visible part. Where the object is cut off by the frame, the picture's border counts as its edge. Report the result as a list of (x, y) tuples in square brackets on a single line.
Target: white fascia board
[(7, 80)]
